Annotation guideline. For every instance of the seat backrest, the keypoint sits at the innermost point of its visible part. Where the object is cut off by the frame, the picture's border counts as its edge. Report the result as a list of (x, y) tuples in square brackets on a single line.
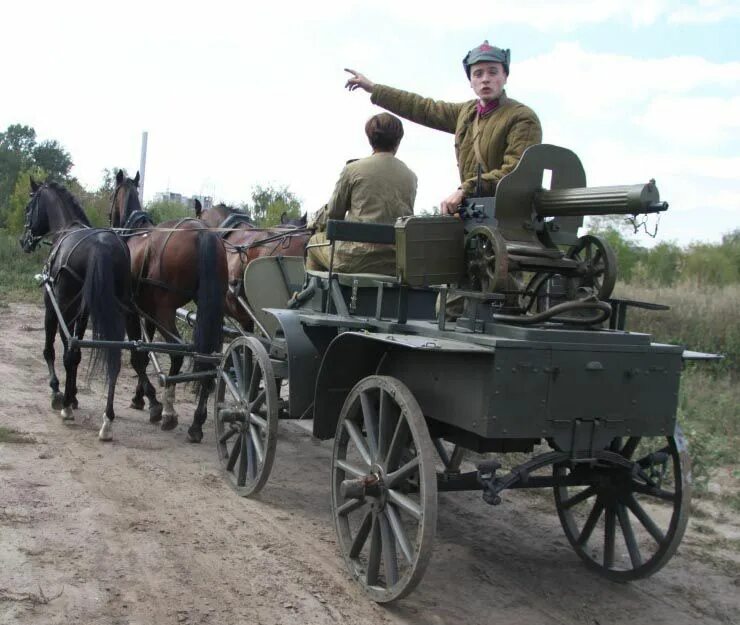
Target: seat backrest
[(341, 230), (269, 282)]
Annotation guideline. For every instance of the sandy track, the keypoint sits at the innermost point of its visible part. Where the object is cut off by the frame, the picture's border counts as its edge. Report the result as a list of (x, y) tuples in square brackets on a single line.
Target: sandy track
[(145, 530)]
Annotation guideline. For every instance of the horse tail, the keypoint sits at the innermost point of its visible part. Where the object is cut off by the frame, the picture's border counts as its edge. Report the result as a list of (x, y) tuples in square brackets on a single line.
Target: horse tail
[(208, 331), (104, 307)]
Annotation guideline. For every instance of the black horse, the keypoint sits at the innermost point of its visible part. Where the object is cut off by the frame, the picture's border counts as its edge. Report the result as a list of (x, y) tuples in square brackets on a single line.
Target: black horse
[(89, 273)]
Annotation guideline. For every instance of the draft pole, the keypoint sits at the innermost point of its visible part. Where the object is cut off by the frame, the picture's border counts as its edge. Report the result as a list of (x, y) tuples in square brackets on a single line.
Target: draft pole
[(142, 166)]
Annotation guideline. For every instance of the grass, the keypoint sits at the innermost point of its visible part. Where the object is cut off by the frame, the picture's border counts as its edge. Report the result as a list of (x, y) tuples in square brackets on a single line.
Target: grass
[(10, 435), (17, 271)]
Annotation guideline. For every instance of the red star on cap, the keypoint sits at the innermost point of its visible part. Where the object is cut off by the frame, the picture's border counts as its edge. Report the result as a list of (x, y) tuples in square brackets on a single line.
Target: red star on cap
[(484, 46)]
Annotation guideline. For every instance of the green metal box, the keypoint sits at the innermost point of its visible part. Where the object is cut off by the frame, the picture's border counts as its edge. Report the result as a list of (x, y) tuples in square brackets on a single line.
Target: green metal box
[(429, 250)]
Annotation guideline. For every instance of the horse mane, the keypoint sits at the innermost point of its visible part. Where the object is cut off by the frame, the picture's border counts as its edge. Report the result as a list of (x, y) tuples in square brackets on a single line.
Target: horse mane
[(70, 200)]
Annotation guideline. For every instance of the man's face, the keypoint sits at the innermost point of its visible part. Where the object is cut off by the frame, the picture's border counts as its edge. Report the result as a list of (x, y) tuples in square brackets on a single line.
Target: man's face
[(487, 80)]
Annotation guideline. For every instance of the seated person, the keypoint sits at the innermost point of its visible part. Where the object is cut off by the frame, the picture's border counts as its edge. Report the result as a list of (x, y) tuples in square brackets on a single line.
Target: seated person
[(377, 189)]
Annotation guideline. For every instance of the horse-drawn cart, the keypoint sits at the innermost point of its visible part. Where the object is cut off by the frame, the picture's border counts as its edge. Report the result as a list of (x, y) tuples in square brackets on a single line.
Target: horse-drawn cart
[(527, 377)]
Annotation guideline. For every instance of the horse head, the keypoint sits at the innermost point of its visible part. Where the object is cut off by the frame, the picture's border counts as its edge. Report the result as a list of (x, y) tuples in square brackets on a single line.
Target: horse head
[(296, 223), (50, 209), (125, 199)]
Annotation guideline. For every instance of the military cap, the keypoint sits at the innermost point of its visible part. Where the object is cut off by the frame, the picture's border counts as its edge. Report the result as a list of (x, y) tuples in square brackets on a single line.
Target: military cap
[(486, 52)]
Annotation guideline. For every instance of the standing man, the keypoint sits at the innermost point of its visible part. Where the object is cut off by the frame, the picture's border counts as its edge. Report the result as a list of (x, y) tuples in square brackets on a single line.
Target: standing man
[(376, 189), (491, 132)]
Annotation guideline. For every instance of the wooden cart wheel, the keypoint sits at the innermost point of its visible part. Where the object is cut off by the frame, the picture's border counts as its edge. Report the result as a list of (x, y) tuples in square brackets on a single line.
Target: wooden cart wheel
[(486, 260), (384, 488), (626, 524), (599, 265), (246, 415)]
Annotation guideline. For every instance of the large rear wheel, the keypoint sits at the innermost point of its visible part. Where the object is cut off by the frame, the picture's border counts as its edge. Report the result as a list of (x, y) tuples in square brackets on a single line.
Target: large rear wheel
[(627, 519), (384, 488)]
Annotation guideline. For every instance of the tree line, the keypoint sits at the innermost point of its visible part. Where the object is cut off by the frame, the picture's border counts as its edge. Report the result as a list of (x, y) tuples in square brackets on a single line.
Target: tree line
[(22, 156)]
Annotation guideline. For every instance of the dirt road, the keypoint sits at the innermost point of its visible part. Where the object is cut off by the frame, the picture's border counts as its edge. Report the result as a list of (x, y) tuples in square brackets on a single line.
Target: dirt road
[(144, 530)]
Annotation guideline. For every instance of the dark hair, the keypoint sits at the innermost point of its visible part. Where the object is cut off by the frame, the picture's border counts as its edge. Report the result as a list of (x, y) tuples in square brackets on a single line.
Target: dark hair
[(384, 131)]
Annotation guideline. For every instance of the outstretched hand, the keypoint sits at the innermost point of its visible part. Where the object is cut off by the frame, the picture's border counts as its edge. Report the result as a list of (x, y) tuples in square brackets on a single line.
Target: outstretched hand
[(358, 80)]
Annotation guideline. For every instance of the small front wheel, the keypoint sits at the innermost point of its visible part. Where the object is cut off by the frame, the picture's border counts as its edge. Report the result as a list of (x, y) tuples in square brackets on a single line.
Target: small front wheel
[(245, 409), (384, 488)]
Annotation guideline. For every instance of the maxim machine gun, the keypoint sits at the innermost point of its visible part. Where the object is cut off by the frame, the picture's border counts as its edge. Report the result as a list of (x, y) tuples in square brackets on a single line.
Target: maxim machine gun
[(522, 246)]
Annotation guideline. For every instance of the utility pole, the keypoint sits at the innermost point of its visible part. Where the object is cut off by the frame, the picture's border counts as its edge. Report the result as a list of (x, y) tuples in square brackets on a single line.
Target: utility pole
[(142, 166)]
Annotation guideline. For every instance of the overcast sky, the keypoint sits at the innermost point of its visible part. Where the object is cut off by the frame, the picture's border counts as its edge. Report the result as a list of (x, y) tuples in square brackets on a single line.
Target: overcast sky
[(237, 94)]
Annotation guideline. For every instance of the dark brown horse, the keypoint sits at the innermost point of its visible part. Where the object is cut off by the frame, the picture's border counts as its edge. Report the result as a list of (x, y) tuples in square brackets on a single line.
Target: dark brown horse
[(244, 242), (88, 273), (175, 263)]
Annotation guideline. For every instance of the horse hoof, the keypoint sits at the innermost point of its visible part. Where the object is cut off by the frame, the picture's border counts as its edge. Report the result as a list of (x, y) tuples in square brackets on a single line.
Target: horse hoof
[(155, 413), (169, 422), (195, 435), (57, 401), (137, 403), (67, 414), (106, 431)]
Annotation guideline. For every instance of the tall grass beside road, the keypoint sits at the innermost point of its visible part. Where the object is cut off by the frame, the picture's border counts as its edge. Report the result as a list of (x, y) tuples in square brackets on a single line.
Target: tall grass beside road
[(17, 270)]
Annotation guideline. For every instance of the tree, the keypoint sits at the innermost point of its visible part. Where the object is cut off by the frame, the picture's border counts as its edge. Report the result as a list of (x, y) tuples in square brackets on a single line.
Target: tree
[(53, 159), (269, 203), (19, 198)]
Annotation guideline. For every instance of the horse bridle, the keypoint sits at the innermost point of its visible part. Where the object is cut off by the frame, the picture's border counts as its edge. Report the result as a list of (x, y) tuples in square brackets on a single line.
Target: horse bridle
[(29, 240), (127, 188)]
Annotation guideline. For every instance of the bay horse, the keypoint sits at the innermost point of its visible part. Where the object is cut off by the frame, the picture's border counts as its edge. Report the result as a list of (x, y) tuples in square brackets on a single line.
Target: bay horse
[(174, 263), (244, 242), (89, 275)]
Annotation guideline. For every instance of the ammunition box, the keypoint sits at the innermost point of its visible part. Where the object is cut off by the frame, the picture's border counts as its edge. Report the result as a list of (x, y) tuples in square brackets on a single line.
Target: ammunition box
[(429, 250)]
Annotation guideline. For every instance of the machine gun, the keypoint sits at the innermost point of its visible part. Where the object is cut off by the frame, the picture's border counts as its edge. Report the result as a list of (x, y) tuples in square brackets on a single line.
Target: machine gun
[(524, 228)]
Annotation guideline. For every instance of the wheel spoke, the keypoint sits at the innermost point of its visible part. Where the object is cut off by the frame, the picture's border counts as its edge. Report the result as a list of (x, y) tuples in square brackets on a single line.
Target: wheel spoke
[(386, 424), (232, 388), (390, 558), (629, 535), (228, 434), (244, 461), (254, 384), (405, 503), (370, 417), (579, 497), (398, 443), (350, 468), (257, 442), (399, 532), (252, 455), (358, 440), (630, 446), (396, 477), (236, 364), (373, 559), (259, 421), (258, 401), (590, 524), (359, 541), (349, 506), (654, 491), (234, 454), (645, 519), (610, 523)]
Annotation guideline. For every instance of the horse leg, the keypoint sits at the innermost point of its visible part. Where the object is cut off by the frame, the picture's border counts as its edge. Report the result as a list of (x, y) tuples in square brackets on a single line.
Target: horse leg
[(195, 431), (139, 361), (72, 358), (114, 368), (169, 414), (51, 325)]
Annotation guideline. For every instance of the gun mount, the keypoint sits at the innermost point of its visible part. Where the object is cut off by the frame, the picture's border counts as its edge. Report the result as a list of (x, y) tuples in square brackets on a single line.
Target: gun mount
[(526, 229)]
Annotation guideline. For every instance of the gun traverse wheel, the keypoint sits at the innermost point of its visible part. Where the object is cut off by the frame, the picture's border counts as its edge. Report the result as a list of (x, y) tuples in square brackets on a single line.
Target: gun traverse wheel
[(245, 409), (486, 260), (384, 488), (627, 523), (599, 267)]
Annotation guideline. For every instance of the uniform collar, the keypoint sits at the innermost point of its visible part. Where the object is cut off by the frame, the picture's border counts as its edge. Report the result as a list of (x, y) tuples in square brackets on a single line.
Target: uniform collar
[(486, 109)]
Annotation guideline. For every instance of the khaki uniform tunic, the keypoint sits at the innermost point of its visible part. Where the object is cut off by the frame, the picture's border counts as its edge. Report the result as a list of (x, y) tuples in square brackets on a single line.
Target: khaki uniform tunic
[(377, 189), (503, 134)]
